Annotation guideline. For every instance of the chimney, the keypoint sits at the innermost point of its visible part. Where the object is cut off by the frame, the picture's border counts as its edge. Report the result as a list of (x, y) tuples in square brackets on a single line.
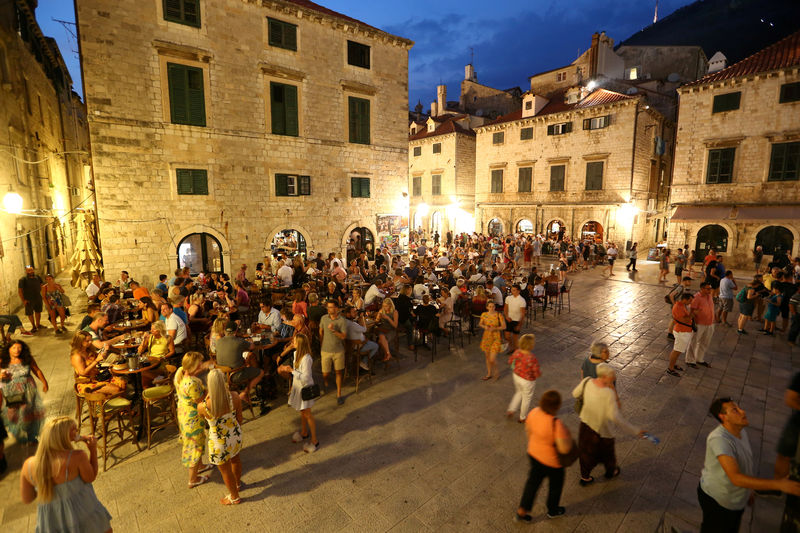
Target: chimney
[(434, 111), (441, 98), (469, 73), (593, 55)]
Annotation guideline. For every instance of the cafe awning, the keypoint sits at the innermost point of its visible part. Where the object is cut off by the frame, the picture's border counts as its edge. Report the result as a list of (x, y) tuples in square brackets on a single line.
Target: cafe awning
[(776, 212), (700, 213)]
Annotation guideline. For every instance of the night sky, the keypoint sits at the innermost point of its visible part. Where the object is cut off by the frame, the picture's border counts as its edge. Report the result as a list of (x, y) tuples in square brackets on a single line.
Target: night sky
[(512, 39)]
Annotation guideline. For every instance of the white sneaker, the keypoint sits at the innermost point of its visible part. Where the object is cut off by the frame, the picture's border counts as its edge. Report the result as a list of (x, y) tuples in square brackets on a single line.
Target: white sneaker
[(297, 437), (309, 447)]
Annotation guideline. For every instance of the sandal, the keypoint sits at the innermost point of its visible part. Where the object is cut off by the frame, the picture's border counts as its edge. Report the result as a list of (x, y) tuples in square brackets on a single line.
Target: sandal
[(227, 500), (205, 468), (486, 378), (679, 368), (200, 481), (673, 373), (584, 482), (613, 474)]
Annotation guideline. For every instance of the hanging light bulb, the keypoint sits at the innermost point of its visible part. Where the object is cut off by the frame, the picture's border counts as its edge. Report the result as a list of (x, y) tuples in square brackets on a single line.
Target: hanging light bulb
[(12, 202)]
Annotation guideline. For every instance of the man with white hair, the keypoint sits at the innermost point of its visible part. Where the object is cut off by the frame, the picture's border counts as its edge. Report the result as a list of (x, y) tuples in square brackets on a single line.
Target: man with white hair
[(285, 274)]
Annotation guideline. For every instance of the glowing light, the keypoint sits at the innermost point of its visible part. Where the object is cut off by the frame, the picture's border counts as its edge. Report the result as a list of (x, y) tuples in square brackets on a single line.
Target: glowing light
[(591, 85), (625, 215), (422, 209), (12, 202)]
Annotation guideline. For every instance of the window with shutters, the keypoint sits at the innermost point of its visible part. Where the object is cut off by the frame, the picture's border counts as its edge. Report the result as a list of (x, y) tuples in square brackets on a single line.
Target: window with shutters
[(359, 187), (525, 179), (726, 102), (790, 92), (192, 181), (359, 120), (526, 134), (557, 177), (283, 108), (292, 185), (497, 180), (186, 95), (182, 11), (720, 165), (437, 148), (559, 129), (417, 151), (784, 162), (498, 137), (594, 176), (596, 123), (282, 34), (436, 184), (416, 189), (357, 54)]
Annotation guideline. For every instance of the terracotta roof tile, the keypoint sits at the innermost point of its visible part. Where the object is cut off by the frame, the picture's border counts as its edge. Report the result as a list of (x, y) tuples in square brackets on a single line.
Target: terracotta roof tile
[(448, 126), (783, 54), (321, 9), (558, 105)]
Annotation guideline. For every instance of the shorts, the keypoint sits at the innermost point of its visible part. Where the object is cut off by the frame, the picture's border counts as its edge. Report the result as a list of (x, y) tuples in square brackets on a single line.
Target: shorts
[(678, 270), (682, 340), (512, 326), (246, 375), (33, 306), (726, 304), (335, 359), (746, 308), (611, 260), (713, 281), (787, 443)]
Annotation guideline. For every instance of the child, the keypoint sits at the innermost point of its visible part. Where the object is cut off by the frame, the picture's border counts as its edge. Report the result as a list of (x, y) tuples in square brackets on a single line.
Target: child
[(525, 369), (773, 310), (301, 371)]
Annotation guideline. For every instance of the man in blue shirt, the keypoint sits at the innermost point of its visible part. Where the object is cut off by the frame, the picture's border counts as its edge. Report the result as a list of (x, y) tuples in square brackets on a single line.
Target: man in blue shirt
[(162, 286)]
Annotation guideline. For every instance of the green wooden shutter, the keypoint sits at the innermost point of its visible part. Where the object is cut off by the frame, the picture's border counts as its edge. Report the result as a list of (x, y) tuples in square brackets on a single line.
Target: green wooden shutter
[(353, 118), (594, 176), (355, 189), (200, 181), (290, 110), (281, 185), (305, 185), (275, 30), (178, 101), (358, 120), (551, 129), (278, 108), (290, 37), (365, 187), (196, 96), (567, 127), (191, 12), (185, 182), (172, 9), (364, 124)]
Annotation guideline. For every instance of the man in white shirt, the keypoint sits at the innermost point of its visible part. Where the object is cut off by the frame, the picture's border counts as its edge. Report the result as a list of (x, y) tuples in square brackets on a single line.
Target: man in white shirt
[(514, 312), (443, 260), (373, 293), (497, 296), (175, 327), (94, 287), (355, 332), (285, 274), (269, 317)]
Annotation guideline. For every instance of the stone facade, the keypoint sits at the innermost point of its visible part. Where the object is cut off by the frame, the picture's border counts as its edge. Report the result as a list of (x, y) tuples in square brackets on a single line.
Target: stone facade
[(753, 207), (137, 149), (43, 157)]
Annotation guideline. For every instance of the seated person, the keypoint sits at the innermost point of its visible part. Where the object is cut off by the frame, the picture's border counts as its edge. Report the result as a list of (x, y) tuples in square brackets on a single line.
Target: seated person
[(426, 314), (84, 360), (217, 332), (235, 352), (156, 342), (97, 331), (148, 309), (198, 320), (91, 311), (269, 318), (138, 291), (113, 309), (356, 328), (315, 310), (355, 300), (373, 296), (419, 288), (13, 322)]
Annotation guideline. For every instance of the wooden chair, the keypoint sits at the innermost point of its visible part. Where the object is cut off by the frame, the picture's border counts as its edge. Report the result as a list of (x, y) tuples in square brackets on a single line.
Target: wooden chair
[(161, 397), (108, 409), (234, 388), (353, 353), (566, 289)]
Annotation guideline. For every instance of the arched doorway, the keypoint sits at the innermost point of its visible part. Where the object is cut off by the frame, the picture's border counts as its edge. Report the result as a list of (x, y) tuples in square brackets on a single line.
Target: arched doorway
[(363, 241), (525, 226), (555, 230), (775, 240), (711, 236), (436, 222), (495, 228), (417, 225), (289, 242), (200, 252), (592, 230)]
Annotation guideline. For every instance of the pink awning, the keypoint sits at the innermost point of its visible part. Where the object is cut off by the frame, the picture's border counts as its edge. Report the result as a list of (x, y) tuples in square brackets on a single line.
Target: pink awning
[(701, 213)]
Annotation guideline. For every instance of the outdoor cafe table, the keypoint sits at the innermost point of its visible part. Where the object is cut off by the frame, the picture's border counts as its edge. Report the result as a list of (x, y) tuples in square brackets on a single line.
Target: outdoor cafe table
[(145, 364), (125, 326)]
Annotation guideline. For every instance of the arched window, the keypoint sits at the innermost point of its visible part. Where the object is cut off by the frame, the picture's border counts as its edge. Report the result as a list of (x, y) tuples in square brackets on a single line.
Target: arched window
[(555, 229), (495, 227), (201, 252), (775, 240), (525, 226), (289, 242), (711, 236), (592, 230), (436, 223)]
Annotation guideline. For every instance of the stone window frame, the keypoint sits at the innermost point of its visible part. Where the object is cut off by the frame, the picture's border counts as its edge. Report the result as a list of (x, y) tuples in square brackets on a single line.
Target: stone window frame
[(359, 176), (520, 168), (558, 162), (492, 176), (522, 137), (435, 175), (789, 87), (178, 20), (786, 143), (436, 148), (719, 144), (269, 44), (181, 26), (192, 57), (416, 151), (360, 68), (720, 104), (173, 168), (501, 135), (351, 89)]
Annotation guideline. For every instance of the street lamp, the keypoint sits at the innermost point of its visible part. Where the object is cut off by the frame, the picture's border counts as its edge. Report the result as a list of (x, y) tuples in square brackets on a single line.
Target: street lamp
[(12, 203)]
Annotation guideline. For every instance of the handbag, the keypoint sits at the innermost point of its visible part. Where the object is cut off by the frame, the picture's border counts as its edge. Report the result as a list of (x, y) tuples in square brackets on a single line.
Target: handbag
[(565, 459), (65, 300), (310, 392), (692, 325), (15, 399), (579, 399)]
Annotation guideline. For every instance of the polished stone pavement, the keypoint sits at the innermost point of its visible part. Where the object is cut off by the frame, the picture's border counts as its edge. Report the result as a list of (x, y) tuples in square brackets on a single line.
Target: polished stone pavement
[(426, 447)]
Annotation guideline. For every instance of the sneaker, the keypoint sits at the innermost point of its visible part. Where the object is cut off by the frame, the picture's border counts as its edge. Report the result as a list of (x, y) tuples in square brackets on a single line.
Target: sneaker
[(522, 518), (741, 332), (340, 400), (297, 437), (692, 365), (559, 511), (673, 373), (670, 336), (310, 447), (364, 366)]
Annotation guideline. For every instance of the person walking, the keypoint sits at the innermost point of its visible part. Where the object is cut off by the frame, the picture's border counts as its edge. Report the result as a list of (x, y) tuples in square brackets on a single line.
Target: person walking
[(332, 333), (663, 264), (680, 264), (55, 300), (23, 410), (703, 314), (599, 411), (758, 257), (514, 313), (60, 478), (727, 292), (29, 289), (300, 370), (682, 316), (598, 353), (492, 323), (632, 255), (223, 411), (189, 392), (546, 436), (525, 371), (611, 254)]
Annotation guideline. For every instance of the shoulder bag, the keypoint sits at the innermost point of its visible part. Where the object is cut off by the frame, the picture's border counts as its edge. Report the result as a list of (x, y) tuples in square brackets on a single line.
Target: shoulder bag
[(565, 459), (579, 399), (310, 392)]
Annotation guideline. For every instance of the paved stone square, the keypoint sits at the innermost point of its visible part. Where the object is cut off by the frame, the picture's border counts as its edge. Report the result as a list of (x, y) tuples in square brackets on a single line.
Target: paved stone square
[(426, 446)]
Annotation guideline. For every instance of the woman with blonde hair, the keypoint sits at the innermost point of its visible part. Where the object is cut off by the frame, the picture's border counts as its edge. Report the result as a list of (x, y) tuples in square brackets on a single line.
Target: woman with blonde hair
[(223, 411), (84, 360), (217, 332), (189, 391), (301, 370), (387, 319), (60, 478), (492, 323)]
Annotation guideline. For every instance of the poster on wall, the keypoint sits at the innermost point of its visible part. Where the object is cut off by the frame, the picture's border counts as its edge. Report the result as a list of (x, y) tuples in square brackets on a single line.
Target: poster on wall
[(392, 232)]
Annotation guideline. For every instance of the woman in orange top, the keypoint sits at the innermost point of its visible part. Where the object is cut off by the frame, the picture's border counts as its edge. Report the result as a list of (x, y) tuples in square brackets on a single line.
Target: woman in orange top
[(546, 433)]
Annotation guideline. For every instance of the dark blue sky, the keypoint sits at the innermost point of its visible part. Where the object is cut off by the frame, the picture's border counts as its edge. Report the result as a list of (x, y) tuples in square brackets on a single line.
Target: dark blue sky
[(512, 39)]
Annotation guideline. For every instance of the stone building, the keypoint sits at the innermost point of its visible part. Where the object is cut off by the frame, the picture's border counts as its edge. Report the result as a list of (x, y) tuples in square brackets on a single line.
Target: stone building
[(44, 160), (221, 130), (575, 162), (735, 184)]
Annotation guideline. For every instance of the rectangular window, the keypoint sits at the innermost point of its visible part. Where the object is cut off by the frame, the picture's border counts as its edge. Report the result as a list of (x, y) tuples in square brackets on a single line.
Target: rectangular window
[(525, 179), (498, 137), (596, 123), (557, 177), (292, 185), (416, 189), (283, 108), (720, 165), (183, 12), (282, 34), (192, 181), (594, 176), (357, 54), (559, 129), (359, 187), (561, 76), (359, 120), (726, 102), (497, 180), (436, 184), (417, 151), (790, 92), (437, 148), (525, 134), (186, 95), (784, 162)]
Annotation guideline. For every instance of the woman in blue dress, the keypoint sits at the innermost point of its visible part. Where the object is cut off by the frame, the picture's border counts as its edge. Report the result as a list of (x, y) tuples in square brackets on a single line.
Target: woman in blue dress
[(773, 309), (23, 410)]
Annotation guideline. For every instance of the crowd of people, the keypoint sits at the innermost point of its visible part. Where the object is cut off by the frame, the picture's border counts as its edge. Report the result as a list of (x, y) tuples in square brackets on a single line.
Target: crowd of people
[(328, 308)]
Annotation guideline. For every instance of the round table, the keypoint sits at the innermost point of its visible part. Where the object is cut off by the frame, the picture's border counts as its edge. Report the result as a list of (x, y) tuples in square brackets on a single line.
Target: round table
[(137, 386)]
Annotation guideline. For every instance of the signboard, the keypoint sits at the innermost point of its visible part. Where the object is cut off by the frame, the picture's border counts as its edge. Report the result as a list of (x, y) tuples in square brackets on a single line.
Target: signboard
[(392, 232)]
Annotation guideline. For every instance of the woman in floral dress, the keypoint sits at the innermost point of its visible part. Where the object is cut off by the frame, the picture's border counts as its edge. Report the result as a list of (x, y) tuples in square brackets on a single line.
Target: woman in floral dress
[(492, 323), (223, 411), (54, 299), (22, 411), (189, 391)]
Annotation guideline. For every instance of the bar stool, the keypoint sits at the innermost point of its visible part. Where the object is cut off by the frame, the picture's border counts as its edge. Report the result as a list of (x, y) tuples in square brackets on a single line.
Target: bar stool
[(161, 397), (107, 409)]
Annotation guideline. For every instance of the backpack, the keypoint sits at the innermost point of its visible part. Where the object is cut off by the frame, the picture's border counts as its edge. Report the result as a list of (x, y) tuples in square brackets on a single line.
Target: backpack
[(742, 295)]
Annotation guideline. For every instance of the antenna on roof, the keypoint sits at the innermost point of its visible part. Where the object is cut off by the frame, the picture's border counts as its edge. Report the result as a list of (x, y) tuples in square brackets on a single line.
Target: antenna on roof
[(471, 56), (655, 16)]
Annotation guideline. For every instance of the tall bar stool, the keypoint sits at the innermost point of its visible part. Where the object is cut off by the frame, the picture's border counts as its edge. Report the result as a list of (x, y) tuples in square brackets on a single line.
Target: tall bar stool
[(105, 411), (162, 398)]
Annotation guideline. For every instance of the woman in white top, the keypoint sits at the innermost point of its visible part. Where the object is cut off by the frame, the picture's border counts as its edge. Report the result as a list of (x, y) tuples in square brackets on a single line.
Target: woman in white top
[(301, 371), (599, 413)]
